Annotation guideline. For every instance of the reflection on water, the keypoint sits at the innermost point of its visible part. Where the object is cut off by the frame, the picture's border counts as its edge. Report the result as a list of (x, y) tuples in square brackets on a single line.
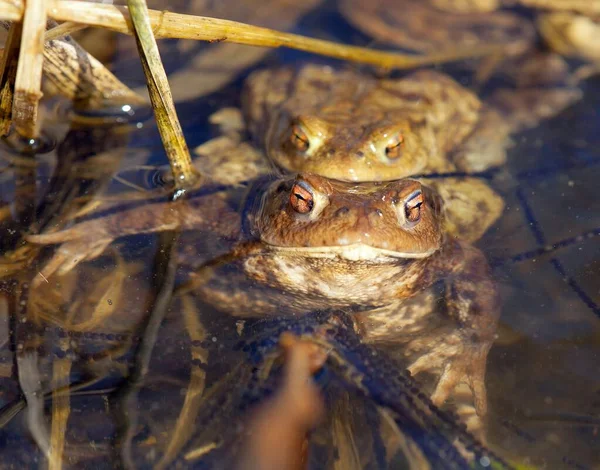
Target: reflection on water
[(103, 366)]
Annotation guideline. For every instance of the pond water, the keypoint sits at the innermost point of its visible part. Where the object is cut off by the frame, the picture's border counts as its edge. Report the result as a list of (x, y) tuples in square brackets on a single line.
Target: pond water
[(116, 372)]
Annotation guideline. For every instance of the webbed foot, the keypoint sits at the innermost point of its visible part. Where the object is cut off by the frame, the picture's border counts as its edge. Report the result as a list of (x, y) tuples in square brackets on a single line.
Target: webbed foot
[(470, 206), (72, 252), (459, 363)]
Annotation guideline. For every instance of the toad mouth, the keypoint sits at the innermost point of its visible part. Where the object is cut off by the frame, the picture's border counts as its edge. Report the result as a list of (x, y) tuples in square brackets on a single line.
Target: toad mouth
[(352, 252)]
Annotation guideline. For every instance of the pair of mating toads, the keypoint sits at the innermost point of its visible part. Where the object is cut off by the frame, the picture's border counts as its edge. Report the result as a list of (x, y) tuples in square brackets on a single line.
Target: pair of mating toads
[(351, 231)]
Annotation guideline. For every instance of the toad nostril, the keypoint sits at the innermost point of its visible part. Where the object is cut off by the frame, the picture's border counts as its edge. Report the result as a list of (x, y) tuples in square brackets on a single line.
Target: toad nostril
[(360, 154), (342, 211), (375, 217)]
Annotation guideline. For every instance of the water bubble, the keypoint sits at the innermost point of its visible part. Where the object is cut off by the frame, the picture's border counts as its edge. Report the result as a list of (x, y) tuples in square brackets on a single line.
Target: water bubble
[(23, 146), (125, 114)]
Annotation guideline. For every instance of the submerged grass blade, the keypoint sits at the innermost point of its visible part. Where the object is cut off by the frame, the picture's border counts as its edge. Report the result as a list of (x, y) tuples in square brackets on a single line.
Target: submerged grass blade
[(184, 425), (165, 267), (30, 382), (61, 408)]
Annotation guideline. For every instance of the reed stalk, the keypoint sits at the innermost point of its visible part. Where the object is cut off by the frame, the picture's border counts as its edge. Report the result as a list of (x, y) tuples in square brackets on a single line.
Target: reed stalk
[(166, 24), (185, 174)]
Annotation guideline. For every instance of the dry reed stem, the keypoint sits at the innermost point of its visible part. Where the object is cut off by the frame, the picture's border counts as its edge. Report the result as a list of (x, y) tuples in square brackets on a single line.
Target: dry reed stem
[(8, 71), (206, 71), (185, 174), (173, 25), (74, 73), (11, 10), (77, 75), (28, 82), (63, 29)]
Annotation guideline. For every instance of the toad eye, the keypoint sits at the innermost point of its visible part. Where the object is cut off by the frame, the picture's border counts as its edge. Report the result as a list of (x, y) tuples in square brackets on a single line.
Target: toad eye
[(298, 138), (412, 206), (393, 150), (301, 199)]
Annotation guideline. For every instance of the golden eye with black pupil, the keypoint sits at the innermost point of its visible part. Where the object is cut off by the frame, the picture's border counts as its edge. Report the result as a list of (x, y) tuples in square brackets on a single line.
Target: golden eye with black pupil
[(298, 138), (301, 199), (412, 206), (394, 147)]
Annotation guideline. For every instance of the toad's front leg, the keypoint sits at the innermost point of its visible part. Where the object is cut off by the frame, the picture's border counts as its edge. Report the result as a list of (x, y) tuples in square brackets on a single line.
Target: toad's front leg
[(472, 302), (87, 239)]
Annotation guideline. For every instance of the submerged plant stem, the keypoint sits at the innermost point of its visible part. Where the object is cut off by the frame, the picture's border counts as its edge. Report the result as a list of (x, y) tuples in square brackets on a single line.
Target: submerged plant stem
[(184, 425), (61, 409), (165, 268)]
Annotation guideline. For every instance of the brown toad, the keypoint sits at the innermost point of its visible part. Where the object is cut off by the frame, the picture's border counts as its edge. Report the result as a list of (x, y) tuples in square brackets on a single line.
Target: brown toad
[(312, 243), (368, 248), (570, 27), (427, 25), (352, 126)]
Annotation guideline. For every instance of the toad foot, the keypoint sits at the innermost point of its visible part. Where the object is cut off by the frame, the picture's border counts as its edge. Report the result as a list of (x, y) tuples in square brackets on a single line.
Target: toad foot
[(467, 367)]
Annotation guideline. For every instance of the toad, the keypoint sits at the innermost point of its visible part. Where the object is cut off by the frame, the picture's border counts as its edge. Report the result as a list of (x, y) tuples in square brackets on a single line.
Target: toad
[(352, 126), (314, 243), (470, 207), (427, 25), (569, 27), (310, 243)]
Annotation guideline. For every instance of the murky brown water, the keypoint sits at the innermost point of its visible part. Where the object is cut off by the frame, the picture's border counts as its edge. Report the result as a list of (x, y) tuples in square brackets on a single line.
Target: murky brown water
[(90, 329)]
